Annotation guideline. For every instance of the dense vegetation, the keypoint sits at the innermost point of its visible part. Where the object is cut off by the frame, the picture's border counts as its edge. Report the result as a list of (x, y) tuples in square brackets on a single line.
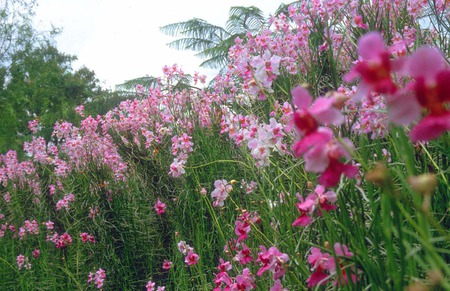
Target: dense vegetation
[(317, 159)]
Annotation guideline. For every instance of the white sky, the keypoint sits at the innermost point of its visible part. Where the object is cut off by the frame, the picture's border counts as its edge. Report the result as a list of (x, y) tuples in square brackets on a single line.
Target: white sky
[(120, 40)]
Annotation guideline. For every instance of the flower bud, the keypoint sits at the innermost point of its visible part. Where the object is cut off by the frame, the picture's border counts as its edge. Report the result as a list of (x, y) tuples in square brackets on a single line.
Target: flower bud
[(378, 175), (339, 99), (423, 184), (435, 277)]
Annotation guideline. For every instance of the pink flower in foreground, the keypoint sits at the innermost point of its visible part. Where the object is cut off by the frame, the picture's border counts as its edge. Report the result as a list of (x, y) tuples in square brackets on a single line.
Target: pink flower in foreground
[(60, 241), (49, 225), (431, 88), (375, 68), (224, 266), (307, 117), (323, 154), (7, 197), (80, 110), (325, 198), (33, 125), (222, 278), (184, 248), (160, 207), (343, 278)]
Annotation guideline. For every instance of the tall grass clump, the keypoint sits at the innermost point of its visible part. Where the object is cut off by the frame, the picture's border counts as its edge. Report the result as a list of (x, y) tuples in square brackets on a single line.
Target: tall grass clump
[(319, 159)]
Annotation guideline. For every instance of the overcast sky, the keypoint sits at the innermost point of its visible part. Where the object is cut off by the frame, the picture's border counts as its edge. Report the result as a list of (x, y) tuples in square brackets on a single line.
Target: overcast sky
[(120, 40)]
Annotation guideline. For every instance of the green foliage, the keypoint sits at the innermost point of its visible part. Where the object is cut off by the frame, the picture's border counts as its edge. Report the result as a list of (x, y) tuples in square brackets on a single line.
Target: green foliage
[(393, 216), (41, 85)]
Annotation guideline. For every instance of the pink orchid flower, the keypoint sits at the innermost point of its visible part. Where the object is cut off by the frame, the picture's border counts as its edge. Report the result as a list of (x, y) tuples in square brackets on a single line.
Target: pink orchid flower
[(432, 91), (375, 67)]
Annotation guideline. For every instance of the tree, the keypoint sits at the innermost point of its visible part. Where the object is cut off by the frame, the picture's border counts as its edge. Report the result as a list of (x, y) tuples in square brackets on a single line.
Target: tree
[(16, 28), (212, 42), (42, 85)]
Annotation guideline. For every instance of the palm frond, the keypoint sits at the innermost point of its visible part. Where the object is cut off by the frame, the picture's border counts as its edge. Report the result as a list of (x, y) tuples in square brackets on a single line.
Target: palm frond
[(245, 19), (195, 44), (215, 62), (146, 81), (283, 8), (195, 28)]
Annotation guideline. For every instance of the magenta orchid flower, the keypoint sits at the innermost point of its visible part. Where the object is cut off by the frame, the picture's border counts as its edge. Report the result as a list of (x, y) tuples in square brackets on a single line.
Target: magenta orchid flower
[(244, 281), (272, 260), (320, 200), (167, 265), (244, 256), (324, 266), (432, 91), (160, 207), (191, 258), (319, 261), (307, 117), (375, 67)]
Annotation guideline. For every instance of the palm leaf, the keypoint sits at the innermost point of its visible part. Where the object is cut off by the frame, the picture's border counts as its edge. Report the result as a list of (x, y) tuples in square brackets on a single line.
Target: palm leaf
[(146, 81), (245, 19)]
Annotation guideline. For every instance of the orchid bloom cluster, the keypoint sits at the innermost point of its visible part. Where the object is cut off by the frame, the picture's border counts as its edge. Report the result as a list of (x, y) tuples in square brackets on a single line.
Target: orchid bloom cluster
[(244, 281), (160, 207), (31, 227), (181, 146), (20, 175), (163, 112), (321, 151), (264, 70), (318, 200), (85, 237), (261, 139), (428, 90), (270, 260), (220, 192), (243, 225), (60, 241), (23, 262), (250, 187), (191, 258), (324, 266), (151, 286), (98, 278), (64, 203), (167, 265), (2, 229), (273, 261)]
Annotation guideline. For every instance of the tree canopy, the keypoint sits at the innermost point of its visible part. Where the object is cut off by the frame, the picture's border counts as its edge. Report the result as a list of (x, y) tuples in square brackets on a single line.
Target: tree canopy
[(36, 80)]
